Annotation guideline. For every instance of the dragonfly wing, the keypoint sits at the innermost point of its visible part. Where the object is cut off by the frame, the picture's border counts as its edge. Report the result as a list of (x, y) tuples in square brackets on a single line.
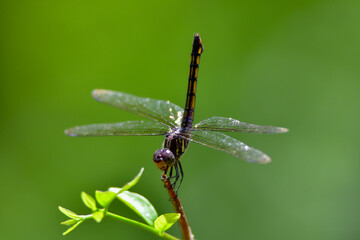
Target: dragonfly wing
[(157, 110), (136, 128), (225, 143), (232, 125)]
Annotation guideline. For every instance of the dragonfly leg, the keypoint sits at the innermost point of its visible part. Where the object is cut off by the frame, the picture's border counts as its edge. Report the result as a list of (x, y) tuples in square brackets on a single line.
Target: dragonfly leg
[(166, 170), (181, 176), (171, 170), (177, 176), (170, 175)]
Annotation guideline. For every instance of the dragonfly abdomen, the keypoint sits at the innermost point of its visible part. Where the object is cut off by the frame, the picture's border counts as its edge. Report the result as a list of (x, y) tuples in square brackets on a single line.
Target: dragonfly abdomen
[(197, 50)]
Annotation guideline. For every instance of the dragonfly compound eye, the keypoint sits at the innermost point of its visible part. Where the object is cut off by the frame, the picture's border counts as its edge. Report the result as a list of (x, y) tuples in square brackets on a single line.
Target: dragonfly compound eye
[(164, 158)]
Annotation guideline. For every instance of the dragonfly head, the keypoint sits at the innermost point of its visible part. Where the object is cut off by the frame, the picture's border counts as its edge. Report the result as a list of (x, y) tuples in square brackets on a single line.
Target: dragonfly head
[(164, 158)]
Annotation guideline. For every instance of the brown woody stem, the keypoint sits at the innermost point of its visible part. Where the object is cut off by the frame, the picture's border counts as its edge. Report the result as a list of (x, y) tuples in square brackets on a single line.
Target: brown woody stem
[(184, 225)]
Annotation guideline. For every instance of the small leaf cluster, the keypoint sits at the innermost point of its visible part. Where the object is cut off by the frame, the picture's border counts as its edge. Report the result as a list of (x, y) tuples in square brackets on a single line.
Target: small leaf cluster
[(139, 204)]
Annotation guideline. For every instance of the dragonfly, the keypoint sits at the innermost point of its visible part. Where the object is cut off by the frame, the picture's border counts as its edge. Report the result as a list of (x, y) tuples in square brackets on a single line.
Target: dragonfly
[(176, 124)]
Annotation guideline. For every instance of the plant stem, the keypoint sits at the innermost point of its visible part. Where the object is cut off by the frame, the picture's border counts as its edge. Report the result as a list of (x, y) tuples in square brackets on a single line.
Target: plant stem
[(141, 225), (184, 225)]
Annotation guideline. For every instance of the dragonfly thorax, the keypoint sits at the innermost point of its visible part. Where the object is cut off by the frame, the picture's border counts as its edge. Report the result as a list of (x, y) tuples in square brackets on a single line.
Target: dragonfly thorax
[(176, 142)]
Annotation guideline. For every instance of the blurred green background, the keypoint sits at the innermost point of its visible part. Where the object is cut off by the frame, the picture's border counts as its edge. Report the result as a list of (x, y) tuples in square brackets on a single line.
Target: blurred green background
[(293, 64)]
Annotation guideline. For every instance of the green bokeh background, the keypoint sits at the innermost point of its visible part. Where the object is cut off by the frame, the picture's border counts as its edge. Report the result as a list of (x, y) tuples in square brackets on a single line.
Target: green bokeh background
[(285, 63)]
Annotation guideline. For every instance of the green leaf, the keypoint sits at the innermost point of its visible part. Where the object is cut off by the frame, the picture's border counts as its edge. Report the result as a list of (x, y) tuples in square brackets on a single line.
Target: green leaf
[(89, 201), (165, 221), (104, 198), (72, 228), (133, 182), (98, 216), (138, 204), (69, 222), (69, 213)]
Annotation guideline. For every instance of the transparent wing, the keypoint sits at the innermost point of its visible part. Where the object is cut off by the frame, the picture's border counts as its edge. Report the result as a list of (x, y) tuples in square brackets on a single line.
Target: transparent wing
[(136, 128), (222, 142), (157, 110), (232, 125)]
